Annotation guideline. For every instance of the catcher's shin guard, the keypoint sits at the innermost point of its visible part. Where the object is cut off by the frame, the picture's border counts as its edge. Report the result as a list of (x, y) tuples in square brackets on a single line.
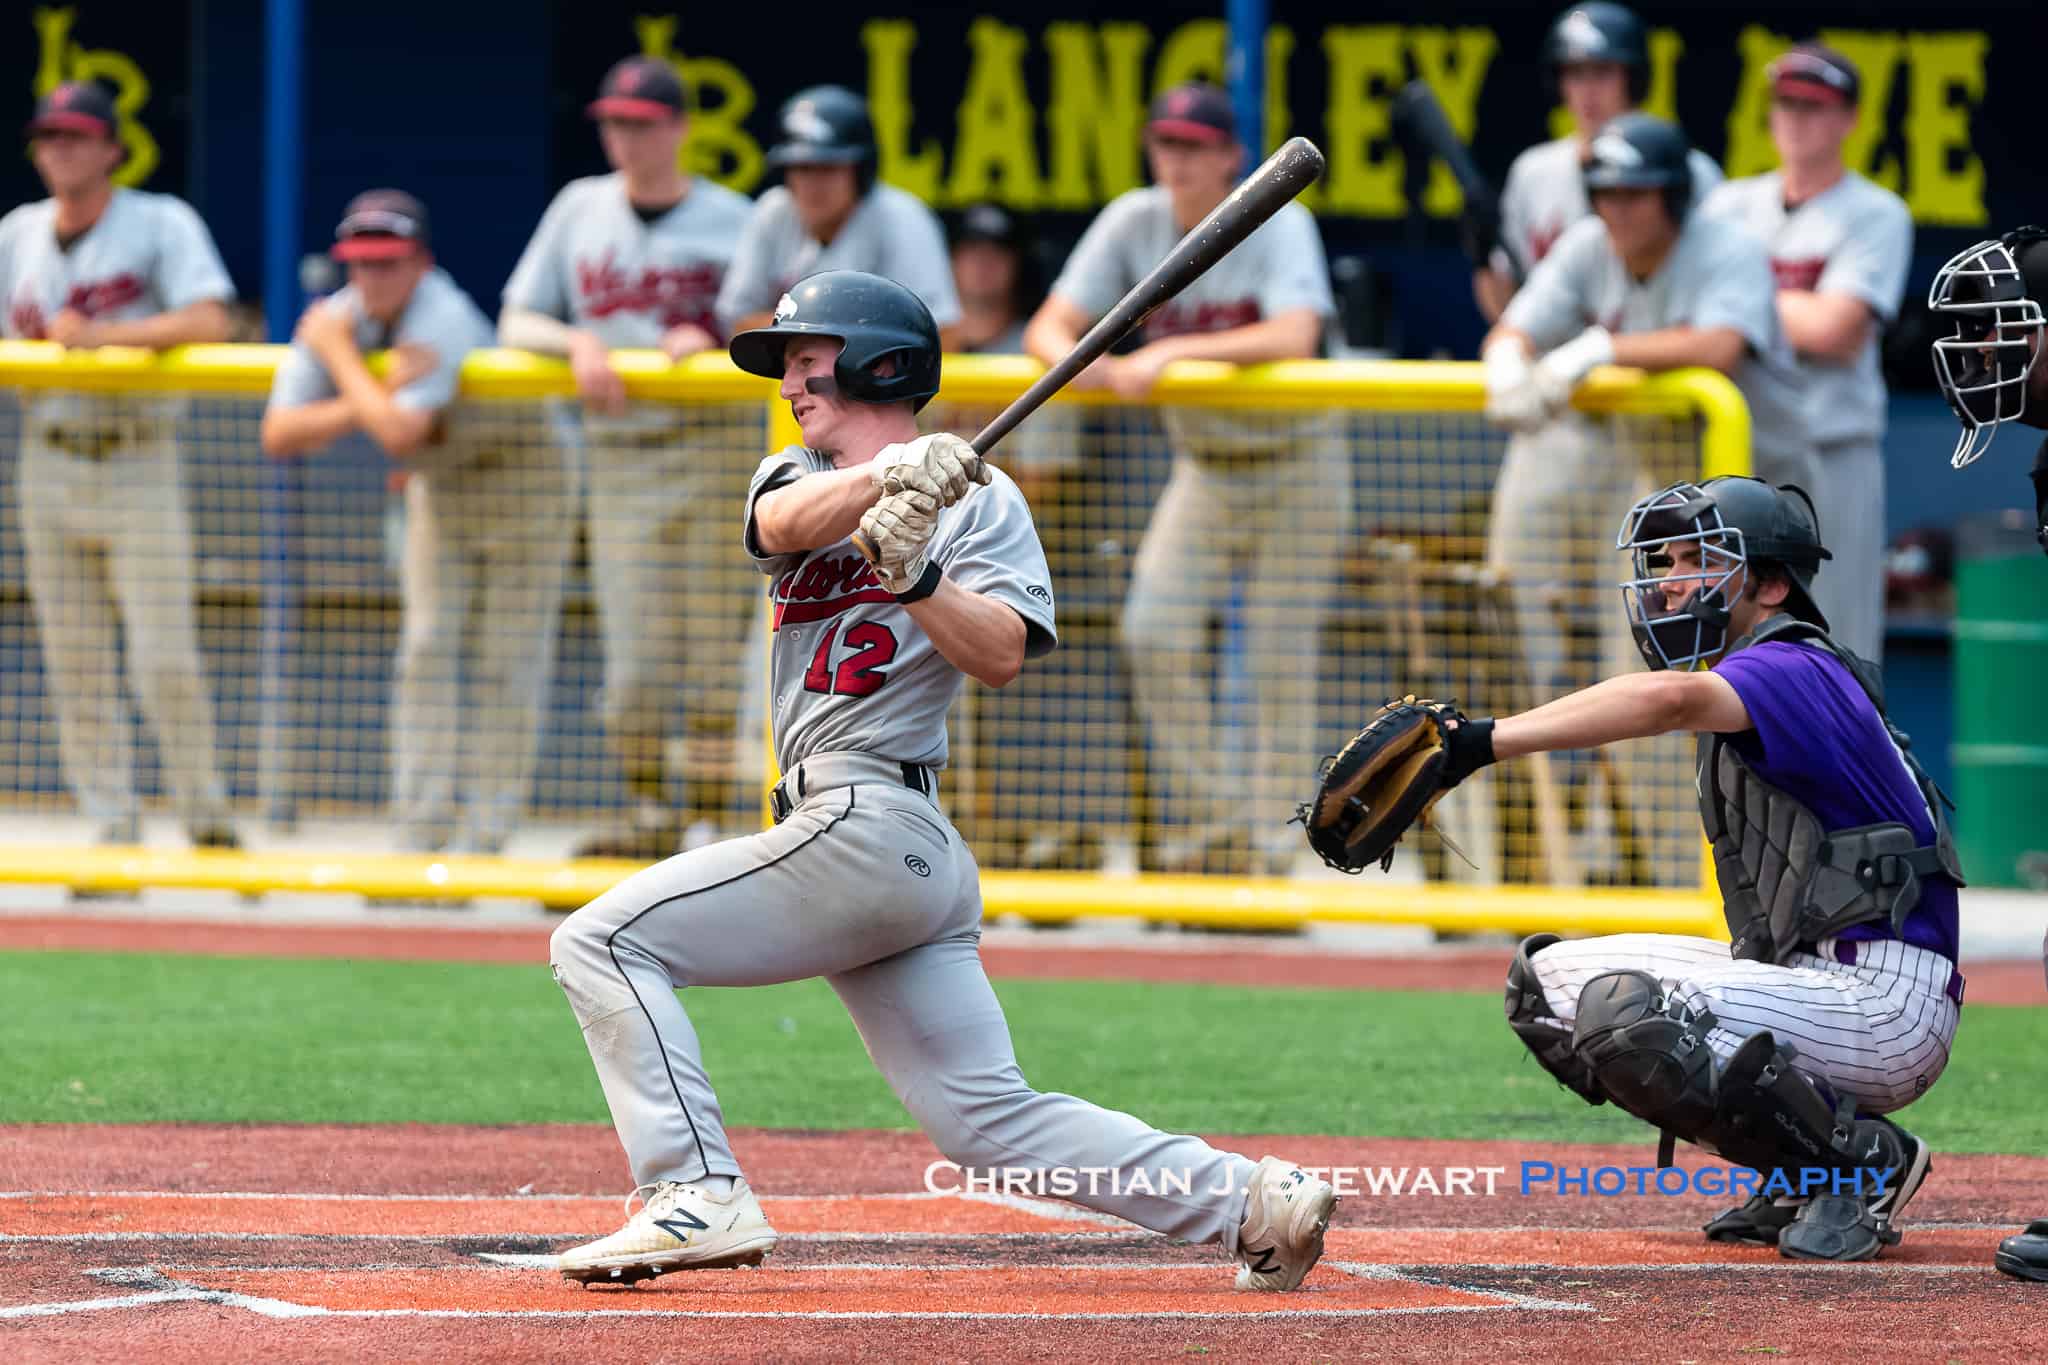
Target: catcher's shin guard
[(1540, 1030)]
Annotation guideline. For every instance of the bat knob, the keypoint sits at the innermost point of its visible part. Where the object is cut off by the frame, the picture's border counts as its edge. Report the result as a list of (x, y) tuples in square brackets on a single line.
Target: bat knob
[(867, 548)]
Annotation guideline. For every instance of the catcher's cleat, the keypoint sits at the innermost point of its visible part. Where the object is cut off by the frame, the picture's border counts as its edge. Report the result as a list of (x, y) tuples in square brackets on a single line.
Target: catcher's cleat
[(2024, 1255), (680, 1227), (1760, 1220), (1850, 1227), (1285, 1216)]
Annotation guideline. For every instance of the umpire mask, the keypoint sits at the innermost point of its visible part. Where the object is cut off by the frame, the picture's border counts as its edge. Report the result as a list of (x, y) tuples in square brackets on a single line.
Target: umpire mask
[(1983, 367)]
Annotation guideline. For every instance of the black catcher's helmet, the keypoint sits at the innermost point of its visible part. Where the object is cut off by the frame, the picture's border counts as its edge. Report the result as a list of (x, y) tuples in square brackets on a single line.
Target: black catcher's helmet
[(826, 125), (890, 345), (1993, 293), (1642, 151), (1599, 31), (1735, 522)]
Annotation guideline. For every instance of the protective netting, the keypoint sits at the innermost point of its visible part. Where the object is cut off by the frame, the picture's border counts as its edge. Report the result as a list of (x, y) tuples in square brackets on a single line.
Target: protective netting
[(546, 638)]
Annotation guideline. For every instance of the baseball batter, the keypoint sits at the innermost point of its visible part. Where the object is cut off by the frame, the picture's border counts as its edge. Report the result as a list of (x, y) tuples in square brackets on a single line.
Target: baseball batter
[(1839, 249), (1838, 997), (635, 259), (107, 538), (1991, 372), (863, 880), (1263, 496), (1647, 282), (487, 533), (829, 213)]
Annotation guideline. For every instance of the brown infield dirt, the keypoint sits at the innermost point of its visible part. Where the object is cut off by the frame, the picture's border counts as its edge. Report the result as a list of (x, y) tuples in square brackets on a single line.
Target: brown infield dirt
[(226, 1243)]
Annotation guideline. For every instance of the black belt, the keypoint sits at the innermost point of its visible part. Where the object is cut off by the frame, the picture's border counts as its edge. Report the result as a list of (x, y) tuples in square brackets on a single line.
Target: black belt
[(781, 803)]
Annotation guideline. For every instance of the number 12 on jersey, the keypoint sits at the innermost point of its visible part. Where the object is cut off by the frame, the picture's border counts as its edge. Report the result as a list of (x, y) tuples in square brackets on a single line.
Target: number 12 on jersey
[(873, 646)]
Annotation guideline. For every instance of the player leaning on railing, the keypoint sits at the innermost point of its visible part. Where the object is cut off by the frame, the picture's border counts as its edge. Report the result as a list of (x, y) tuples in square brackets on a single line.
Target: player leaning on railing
[(103, 516), (1991, 372), (1839, 995)]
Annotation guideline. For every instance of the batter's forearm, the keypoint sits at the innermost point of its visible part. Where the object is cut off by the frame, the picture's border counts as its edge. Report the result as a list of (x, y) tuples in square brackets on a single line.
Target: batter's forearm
[(309, 426), (523, 329), (978, 635), (814, 511)]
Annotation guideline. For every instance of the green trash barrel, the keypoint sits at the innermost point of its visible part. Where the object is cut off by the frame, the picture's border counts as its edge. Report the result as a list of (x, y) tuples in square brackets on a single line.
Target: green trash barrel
[(2001, 701)]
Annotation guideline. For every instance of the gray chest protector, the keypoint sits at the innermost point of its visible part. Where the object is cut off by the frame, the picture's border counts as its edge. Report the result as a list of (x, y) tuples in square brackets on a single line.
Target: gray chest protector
[(1787, 882)]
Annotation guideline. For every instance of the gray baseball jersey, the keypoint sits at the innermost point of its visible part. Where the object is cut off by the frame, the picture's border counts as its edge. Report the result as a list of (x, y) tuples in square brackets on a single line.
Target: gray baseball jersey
[(596, 264), (890, 233), (147, 254), (438, 316), (850, 670), (1852, 238), (1277, 269), (1545, 194), (1717, 275)]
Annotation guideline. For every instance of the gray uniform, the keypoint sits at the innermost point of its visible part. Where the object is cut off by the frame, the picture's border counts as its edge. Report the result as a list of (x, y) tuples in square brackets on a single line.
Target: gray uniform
[(1545, 194), (489, 526), (663, 481), (890, 233), (1853, 238), (865, 882), (1263, 495), (100, 485)]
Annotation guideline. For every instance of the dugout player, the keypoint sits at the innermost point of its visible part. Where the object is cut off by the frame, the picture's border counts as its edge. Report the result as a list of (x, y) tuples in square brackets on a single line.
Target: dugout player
[(1264, 497), (1991, 372), (635, 259), (103, 521), (1646, 282), (1838, 997), (488, 529), (830, 213), (1839, 249), (862, 880)]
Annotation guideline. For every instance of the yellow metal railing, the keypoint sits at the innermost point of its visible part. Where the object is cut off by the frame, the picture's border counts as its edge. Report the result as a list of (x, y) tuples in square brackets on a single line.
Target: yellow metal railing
[(1424, 410)]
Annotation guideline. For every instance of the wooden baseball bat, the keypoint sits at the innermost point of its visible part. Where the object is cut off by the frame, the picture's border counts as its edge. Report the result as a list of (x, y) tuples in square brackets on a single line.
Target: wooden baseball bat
[(1421, 124), (1285, 174)]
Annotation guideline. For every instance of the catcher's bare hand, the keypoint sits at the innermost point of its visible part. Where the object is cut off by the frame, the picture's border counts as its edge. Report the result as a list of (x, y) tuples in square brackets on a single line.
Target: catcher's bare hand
[(1388, 777)]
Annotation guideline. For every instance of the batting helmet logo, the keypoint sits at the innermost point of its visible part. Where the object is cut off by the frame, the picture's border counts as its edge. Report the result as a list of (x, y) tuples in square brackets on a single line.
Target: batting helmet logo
[(786, 309)]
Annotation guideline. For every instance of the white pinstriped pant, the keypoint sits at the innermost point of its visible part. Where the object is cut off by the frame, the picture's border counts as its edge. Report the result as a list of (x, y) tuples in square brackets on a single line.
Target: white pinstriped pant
[(1878, 1031)]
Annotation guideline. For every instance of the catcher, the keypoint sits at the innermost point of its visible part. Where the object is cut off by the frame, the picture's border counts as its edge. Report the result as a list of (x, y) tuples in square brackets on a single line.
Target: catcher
[(1838, 998)]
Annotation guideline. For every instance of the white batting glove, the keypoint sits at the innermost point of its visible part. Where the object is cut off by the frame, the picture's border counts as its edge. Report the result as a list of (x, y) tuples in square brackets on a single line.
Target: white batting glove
[(1561, 371), (899, 528), (941, 465), (1511, 396)]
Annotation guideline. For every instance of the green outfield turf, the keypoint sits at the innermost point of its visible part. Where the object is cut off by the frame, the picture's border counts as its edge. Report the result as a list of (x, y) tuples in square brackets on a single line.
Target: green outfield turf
[(134, 1038)]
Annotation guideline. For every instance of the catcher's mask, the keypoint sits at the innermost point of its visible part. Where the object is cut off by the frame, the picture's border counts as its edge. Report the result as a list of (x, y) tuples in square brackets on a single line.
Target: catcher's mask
[(1736, 523), (1983, 367)]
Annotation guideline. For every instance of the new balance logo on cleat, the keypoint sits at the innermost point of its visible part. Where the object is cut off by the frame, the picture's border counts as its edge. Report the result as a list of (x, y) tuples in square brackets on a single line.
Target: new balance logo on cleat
[(1264, 1264), (680, 1223)]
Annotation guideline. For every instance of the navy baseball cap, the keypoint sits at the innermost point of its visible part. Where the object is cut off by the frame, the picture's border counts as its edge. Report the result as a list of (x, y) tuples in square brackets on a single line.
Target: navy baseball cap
[(78, 107), (989, 223), (639, 88), (381, 225), (1814, 71), (1196, 111)]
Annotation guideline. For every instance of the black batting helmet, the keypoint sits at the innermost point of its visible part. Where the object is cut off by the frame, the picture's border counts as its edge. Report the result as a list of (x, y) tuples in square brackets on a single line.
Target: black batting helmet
[(1642, 151), (1736, 523), (1599, 31), (889, 348), (826, 125), (1993, 292)]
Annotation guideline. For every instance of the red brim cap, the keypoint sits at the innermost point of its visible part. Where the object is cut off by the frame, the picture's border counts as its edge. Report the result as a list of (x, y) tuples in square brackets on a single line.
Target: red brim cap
[(1191, 129), (71, 123), (1804, 87), (379, 248), (626, 106)]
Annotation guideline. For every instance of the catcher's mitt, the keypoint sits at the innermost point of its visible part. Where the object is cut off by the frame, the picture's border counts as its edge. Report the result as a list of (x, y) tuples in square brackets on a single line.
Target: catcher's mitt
[(1386, 779)]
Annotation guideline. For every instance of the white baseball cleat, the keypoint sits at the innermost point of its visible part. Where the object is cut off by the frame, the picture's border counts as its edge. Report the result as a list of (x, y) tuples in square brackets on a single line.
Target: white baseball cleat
[(680, 1227), (1285, 1215)]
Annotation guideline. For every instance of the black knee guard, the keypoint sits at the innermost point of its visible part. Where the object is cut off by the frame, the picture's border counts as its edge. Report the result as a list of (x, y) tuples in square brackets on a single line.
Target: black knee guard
[(1539, 1028), (1647, 1053)]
